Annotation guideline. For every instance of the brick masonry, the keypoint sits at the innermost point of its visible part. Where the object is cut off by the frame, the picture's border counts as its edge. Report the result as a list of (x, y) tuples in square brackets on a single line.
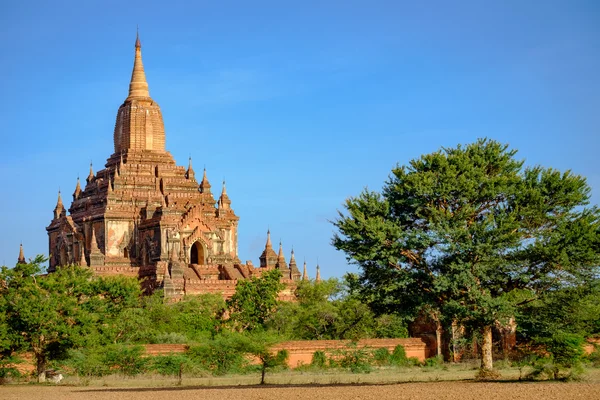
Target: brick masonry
[(143, 215)]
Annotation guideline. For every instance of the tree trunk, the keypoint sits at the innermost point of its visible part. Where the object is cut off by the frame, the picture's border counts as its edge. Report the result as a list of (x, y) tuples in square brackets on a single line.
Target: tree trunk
[(457, 333), (487, 362), (262, 376), (41, 368)]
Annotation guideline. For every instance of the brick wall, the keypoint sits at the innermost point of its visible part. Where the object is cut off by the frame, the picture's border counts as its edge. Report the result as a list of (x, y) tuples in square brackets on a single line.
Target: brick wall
[(301, 351)]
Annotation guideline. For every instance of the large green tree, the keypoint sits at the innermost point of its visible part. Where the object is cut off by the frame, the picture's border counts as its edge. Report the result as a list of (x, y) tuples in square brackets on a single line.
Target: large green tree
[(255, 300), (49, 314), (470, 234)]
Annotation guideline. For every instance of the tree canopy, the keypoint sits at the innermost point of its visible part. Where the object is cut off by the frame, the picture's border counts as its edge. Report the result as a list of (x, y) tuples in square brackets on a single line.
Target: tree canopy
[(255, 300), (472, 233), (50, 314)]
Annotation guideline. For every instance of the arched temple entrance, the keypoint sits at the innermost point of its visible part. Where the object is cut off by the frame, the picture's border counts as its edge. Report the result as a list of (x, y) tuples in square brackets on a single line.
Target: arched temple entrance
[(197, 253)]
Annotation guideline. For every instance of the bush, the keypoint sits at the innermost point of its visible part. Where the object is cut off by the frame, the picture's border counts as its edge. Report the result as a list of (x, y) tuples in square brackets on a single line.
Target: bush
[(546, 368), (219, 356), (398, 357), (436, 361), (8, 369), (319, 359), (170, 338), (171, 364), (281, 358), (566, 349), (127, 360), (88, 362), (381, 356), (357, 360)]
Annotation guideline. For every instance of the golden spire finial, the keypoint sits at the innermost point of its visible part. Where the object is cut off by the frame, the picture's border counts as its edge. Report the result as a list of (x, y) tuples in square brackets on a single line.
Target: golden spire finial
[(138, 44), (138, 87)]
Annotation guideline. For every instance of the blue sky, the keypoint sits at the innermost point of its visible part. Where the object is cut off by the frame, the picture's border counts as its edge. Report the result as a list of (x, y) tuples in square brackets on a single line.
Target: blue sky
[(298, 105)]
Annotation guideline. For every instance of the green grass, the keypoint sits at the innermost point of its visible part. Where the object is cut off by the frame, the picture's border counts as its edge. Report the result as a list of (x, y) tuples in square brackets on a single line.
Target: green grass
[(447, 372)]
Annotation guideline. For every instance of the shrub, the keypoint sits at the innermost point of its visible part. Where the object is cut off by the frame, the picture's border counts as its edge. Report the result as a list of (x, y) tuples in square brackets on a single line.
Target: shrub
[(171, 364), (319, 359), (281, 358), (398, 357), (382, 356), (127, 360), (436, 361), (170, 338), (88, 362), (546, 368), (219, 356), (357, 360), (564, 361), (566, 349), (8, 369)]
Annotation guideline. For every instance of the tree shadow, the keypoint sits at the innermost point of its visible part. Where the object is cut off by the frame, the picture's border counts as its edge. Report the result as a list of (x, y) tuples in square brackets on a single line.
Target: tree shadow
[(259, 386)]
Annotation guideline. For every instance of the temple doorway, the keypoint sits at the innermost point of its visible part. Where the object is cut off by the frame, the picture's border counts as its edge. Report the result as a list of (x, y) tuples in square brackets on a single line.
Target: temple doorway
[(197, 253)]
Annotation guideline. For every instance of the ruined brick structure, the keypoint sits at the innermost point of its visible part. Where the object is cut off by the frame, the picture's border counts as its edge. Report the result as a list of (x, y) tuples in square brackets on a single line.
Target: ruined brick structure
[(143, 215)]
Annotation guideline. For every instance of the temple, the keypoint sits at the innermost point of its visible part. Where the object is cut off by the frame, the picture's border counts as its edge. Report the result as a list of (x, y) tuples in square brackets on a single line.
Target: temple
[(142, 215)]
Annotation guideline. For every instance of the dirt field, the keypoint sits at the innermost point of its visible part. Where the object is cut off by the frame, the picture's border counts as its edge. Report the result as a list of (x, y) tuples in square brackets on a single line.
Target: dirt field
[(425, 390), (455, 382)]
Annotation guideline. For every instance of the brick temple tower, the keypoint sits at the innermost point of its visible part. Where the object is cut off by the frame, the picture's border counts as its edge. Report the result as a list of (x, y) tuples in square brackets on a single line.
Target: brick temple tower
[(143, 215)]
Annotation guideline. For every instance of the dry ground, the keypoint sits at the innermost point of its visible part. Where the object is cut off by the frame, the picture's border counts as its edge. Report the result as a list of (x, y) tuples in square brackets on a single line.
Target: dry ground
[(410, 384), (424, 390)]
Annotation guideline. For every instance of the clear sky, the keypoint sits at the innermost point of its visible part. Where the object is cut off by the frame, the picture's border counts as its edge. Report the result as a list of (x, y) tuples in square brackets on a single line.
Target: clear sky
[(297, 104)]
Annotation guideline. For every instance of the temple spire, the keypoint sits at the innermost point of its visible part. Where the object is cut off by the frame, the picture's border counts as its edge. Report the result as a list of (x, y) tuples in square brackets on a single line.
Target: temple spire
[(120, 169), (318, 277), (90, 177), (205, 185), (304, 272), (224, 202), (190, 171), (294, 273), (21, 259), (268, 258), (93, 242), (77, 190), (138, 87), (59, 210), (268, 245)]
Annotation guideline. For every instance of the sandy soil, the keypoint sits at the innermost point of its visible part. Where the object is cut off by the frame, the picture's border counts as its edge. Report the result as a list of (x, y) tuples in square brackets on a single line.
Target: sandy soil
[(437, 391)]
